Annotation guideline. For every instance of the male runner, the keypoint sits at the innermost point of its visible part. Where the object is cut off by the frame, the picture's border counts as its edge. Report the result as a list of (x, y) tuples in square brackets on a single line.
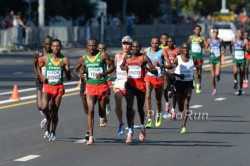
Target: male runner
[(217, 48), (96, 86), (237, 49), (197, 43), (121, 80), (53, 88), (158, 57), (39, 85), (136, 64)]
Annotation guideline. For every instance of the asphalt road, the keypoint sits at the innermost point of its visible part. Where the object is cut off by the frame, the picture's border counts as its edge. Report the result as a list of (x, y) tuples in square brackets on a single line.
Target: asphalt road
[(220, 139)]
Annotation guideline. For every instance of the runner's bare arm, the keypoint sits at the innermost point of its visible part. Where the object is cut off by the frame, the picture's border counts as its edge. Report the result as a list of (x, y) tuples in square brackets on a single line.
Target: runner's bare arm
[(39, 67), (204, 41), (167, 61), (123, 66), (207, 46), (35, 63), (77, 67), (147, 65), (231, 48), (189, 39), (247, 46), (145, 51), (223, 47), (66, 68)]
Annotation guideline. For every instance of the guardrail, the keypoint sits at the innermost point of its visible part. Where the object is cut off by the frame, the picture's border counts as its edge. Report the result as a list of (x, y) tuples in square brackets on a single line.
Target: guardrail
[(76, 36)]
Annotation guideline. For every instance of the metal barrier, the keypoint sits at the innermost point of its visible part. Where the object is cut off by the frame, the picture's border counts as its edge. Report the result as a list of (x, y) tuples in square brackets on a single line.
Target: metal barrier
[(76, 36)]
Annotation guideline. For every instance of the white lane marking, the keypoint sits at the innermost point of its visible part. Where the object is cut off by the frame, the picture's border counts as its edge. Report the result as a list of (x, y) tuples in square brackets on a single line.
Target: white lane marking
[(135, 126), (27, 158), (33, 96), (220, 99), (17, 73), (81, 141), (30, 89), (196, 106)]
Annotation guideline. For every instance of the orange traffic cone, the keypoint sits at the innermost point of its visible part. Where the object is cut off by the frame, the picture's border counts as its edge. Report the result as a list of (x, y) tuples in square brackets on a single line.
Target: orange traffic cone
[(223, 60), (79, 84), (15, 95)]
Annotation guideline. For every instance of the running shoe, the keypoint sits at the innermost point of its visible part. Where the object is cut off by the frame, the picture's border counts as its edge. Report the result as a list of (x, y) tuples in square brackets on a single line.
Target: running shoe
[(129, 138), (183, 130), (235, 85), (245, 84), (198, 88), (90, 141), (173, 112), (214, 92), (86, 137), (149, 124), (121, 129), (103, 122), (142, 135), (46, 135), (158, 120), (43, 123), (240, 92), (108, 109), (52, 137)]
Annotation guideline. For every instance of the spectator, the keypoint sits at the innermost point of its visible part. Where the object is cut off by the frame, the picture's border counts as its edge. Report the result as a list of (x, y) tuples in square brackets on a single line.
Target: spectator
[(130, 24)]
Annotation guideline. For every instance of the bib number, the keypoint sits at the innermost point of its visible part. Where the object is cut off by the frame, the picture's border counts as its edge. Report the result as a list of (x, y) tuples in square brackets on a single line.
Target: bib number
[(239, 54), (134, 72), (92, 72), (54, 76), (215, 51), (196, 48)]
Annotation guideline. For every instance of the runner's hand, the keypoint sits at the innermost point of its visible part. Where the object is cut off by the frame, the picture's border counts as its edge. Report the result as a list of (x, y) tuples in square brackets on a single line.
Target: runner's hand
[(99, 75), (62, 64), (43, 79), (181, 76)]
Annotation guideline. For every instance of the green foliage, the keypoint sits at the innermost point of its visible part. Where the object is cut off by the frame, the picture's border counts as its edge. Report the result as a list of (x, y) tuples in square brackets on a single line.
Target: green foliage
[(145, 10), (69, 8), (205, 7)]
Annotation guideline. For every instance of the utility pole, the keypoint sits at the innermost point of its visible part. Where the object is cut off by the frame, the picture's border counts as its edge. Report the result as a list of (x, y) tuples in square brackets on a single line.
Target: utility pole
[(124, 10), (41, 7)]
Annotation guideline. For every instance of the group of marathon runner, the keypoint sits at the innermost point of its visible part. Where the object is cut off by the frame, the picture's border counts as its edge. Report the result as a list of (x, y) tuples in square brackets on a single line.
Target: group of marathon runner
[(169, 70)]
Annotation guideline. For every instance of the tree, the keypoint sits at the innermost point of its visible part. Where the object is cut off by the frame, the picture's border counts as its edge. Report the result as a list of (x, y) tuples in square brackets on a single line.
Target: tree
[(145, 10)]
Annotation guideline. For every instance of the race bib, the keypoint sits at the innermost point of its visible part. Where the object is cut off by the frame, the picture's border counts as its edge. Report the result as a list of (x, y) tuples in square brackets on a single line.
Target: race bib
[(215, 51), (134, 72), (54, 76), (43, 70), (92, 72), (159, 73), (196, 48), (239, 54), (120, 74)]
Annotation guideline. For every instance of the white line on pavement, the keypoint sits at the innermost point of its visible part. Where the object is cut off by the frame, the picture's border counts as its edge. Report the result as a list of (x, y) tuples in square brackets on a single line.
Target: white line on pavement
[(220, 99), (33, 96), (196, 106), (30, 89), (27, 158)]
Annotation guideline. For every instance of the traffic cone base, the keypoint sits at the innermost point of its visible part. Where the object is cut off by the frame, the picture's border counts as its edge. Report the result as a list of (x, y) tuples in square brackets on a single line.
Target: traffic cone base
[(15, 95)]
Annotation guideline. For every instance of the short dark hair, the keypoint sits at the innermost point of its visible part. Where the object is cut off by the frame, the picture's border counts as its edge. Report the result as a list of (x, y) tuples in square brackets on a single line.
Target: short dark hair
[(57, 40)]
